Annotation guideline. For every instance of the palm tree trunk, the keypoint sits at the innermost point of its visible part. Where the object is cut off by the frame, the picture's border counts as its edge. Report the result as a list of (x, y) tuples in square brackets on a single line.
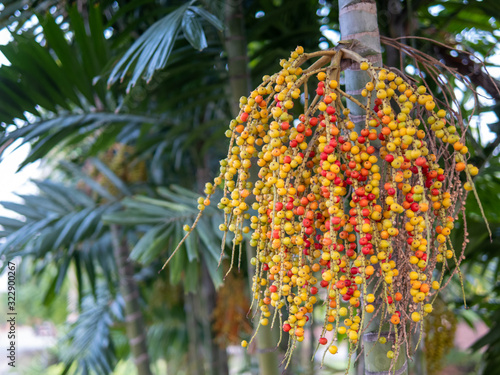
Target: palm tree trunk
[(239, 84), (216, 356), (358, 20), (134, 319)]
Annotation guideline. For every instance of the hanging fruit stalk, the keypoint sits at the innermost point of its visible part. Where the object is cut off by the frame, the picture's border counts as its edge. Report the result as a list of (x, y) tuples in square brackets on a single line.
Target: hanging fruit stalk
[(331, 211)]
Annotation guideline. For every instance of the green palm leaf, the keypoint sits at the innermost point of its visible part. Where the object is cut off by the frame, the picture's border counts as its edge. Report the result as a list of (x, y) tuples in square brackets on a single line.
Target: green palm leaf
[(89, 342), (152, 49)]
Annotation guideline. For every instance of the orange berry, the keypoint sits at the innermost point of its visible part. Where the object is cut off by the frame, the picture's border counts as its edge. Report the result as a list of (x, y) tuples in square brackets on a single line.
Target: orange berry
[(425, 288), (395, 319)]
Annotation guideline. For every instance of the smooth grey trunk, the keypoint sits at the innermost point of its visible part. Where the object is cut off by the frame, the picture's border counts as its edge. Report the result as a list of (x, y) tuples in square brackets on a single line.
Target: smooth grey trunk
[(358, 20), (134, 319), (239, 84), (267, 353)]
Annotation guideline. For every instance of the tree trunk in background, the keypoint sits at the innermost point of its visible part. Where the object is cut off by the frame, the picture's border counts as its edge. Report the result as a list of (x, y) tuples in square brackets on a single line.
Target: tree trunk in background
[(203, 306), (397, 21), (239, 83), (358, 20), (217, 358), (134, 319), (236, 48)]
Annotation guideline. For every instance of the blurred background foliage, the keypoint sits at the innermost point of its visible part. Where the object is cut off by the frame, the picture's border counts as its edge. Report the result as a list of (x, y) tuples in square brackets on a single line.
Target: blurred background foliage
[(125, 103)]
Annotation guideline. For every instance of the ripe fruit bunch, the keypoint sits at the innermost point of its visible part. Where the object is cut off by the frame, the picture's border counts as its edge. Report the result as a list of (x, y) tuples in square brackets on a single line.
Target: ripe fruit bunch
[(117, 158), (357, 216)]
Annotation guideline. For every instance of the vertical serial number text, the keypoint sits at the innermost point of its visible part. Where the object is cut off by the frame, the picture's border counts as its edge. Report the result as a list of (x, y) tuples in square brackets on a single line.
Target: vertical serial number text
[(11, 314)]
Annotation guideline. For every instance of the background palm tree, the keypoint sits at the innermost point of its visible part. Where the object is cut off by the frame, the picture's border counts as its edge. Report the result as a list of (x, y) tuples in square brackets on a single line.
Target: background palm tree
[(122, 99)]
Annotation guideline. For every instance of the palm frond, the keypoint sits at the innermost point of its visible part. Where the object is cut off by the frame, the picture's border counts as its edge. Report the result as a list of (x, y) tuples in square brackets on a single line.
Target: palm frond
[(166, 217), (62, 225), (58, 76), (55, 133), (89, 343), (151, 50)]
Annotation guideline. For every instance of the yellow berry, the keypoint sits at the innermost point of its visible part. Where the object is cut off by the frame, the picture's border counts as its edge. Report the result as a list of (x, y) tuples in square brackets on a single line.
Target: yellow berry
[(415, 316), (333, 349)]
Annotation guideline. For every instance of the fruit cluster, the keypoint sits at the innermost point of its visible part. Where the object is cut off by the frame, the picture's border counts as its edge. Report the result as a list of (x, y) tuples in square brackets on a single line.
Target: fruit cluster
[(357, 216)]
